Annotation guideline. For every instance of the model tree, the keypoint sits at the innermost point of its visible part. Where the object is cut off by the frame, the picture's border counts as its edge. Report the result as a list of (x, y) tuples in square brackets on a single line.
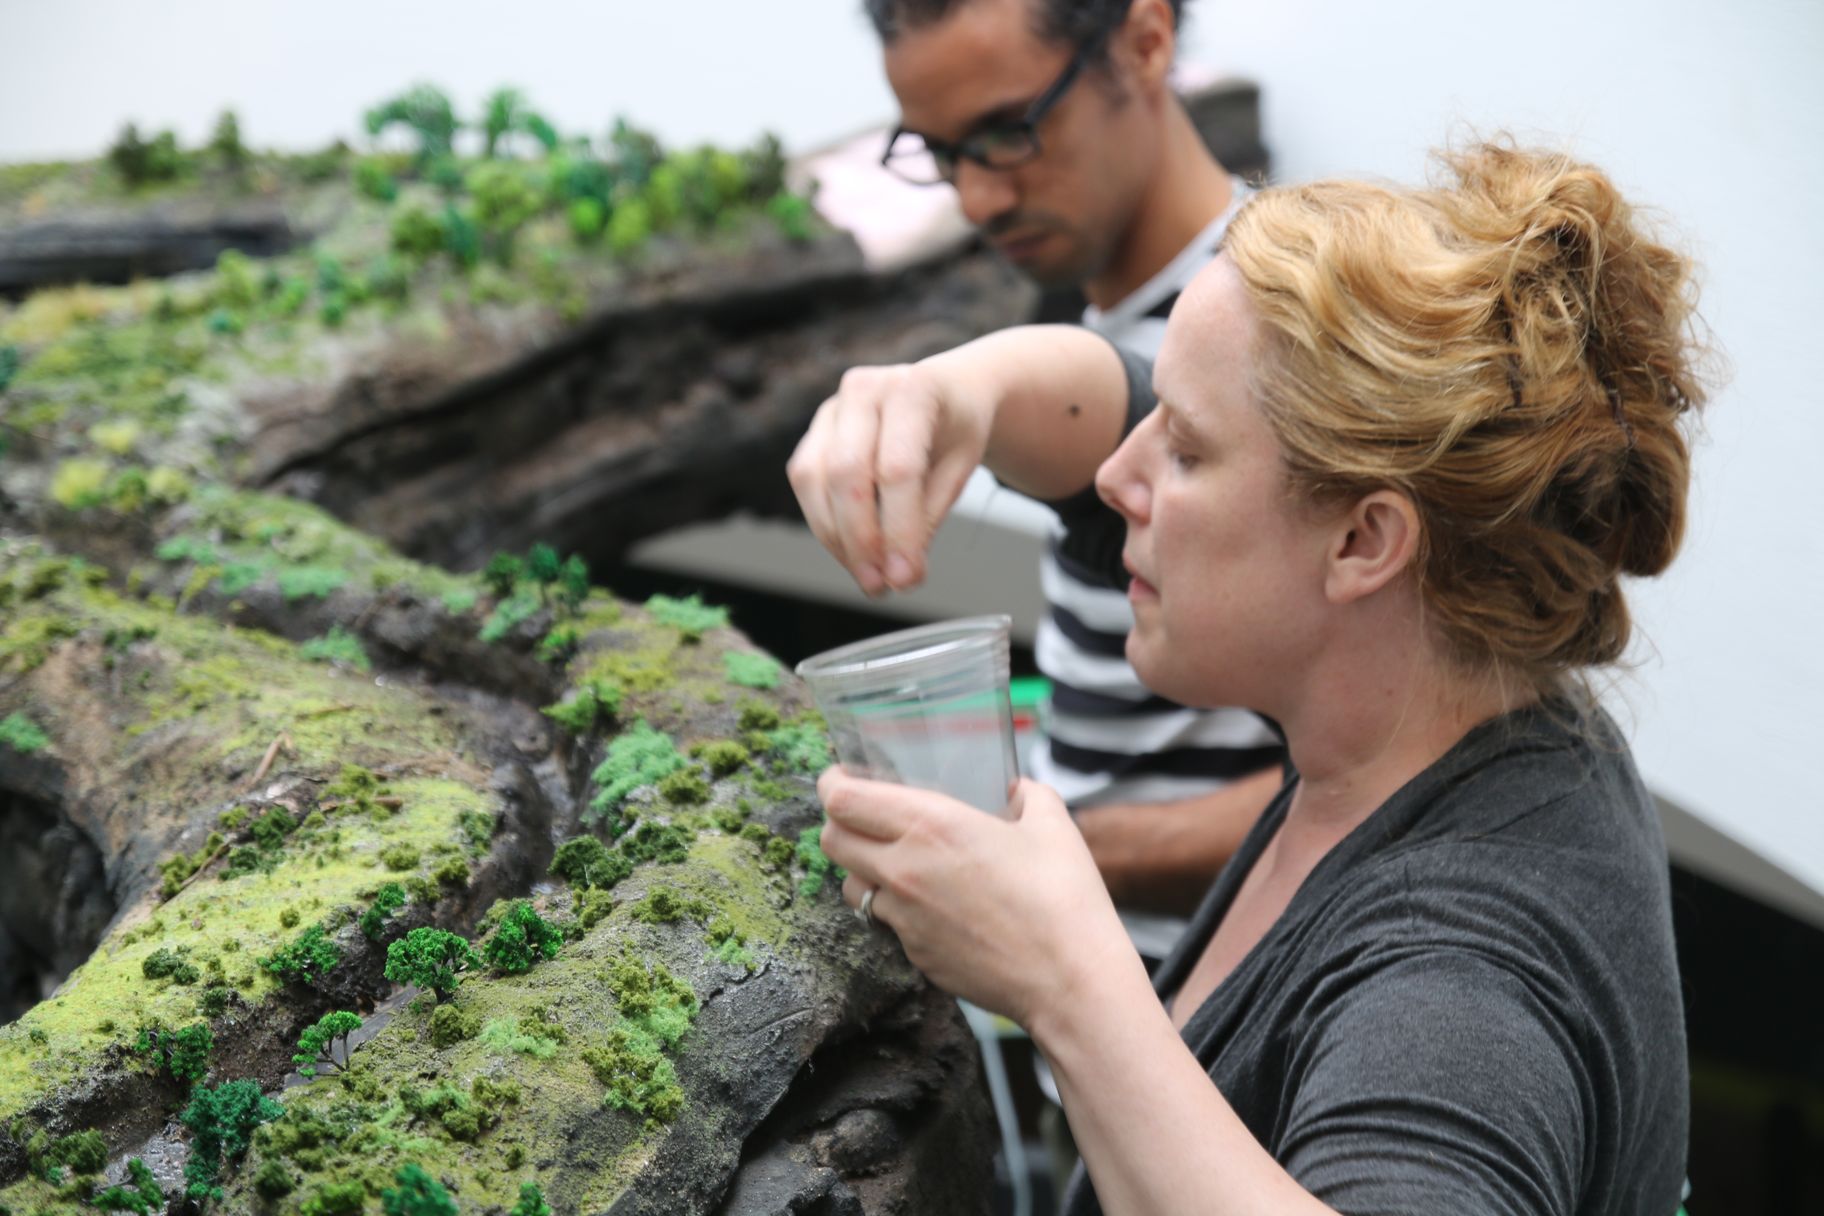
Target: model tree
[(426, 112), (431, 958), (221, 1122), (317, 1045)]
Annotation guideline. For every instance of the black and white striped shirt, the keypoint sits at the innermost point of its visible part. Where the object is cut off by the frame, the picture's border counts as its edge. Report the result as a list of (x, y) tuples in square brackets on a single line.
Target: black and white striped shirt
[(1111, 740)]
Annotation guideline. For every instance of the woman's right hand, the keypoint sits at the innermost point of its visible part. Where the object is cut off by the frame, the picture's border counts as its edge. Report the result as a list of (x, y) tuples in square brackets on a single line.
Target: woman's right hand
[(884, 461)]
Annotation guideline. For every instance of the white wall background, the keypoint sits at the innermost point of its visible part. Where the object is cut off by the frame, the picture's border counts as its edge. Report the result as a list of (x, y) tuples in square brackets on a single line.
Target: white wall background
[(1713, 112)]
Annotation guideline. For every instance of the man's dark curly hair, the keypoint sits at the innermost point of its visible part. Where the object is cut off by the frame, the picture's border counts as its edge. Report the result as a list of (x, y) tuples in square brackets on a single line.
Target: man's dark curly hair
[(1070, 22)]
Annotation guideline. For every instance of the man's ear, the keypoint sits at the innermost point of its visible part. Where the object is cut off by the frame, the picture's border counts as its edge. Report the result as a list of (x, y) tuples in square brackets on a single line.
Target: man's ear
[(1373, 544), (1147, 43)]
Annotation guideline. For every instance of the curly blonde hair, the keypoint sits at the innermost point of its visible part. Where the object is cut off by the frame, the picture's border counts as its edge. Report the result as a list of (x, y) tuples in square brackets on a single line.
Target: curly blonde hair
[(1514, 352)]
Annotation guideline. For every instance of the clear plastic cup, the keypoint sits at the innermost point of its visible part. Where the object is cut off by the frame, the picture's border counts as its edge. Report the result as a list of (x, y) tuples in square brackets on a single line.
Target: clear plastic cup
[(925, 707)]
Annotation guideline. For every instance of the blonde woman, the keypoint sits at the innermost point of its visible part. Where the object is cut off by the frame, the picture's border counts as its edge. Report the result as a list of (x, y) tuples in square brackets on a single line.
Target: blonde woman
[(1407, 444)]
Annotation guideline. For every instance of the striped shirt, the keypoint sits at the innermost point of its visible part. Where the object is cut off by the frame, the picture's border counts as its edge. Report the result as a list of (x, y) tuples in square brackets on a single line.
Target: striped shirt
[(1109, 739)]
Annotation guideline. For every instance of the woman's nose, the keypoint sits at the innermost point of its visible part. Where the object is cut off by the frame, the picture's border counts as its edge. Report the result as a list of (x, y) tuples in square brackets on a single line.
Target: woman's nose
[(1121, 481)]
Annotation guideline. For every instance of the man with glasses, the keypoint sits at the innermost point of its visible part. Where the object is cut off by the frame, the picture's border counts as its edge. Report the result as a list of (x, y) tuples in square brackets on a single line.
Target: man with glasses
[(1055, 123)]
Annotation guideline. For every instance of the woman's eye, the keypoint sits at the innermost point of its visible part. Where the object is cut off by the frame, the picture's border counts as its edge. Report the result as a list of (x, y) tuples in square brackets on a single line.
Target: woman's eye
[(1181, 460)]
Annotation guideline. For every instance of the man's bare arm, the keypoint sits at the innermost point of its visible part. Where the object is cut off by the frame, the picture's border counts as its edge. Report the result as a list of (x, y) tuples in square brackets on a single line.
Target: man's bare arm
[(1162, 857)]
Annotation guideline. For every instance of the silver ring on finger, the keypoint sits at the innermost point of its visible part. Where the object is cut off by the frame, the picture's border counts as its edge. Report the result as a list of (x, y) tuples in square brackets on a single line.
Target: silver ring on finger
[(865, 909)]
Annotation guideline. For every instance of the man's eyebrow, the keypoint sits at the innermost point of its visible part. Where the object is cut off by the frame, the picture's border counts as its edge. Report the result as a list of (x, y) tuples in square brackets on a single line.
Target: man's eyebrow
[(1001, 115)]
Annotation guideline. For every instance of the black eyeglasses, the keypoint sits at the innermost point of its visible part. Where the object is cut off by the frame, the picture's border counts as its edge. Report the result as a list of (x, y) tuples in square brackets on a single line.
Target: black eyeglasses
[(926, 162)]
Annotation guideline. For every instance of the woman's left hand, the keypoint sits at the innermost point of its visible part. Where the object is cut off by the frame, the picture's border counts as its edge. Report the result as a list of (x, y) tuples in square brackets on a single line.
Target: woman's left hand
[(1007, 913)]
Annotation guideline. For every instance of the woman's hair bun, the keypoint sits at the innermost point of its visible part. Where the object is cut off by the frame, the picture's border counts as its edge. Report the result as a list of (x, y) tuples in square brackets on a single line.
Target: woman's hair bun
[(1515, 349)]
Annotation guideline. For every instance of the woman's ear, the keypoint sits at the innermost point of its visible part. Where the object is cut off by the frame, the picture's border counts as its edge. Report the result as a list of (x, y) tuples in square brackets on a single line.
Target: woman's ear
[(1371, 546)]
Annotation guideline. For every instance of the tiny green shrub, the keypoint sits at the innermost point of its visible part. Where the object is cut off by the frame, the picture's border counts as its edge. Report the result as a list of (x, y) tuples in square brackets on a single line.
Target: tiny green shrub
[(690, 616), (388, 900), (305, 959), (400, 857), (751, 670), (585, 862), (337, 646), (142, 1196), (22, 735), (417, 1194)]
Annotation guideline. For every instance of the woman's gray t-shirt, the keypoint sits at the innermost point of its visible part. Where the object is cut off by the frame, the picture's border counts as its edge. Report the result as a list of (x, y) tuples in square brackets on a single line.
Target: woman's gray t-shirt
[(1472, 1004)]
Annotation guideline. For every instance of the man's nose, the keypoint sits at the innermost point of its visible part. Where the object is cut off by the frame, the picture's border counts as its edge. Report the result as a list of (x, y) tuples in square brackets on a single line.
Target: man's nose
[(985, 194)]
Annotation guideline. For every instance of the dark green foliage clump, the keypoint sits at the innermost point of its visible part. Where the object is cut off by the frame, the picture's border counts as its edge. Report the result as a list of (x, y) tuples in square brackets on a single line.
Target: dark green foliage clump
[(758, 716), (83, 1152), (684, 788), (165, 963), (305, 959), (22, 735), (214, 1001), (477, 829), (586, 862), (9, 364), (523, 938), (388, 900), (452, 872), (418, 1194), (400, 857), (142, 1197), (140, 162), (183, 1054), (272, 1180), (662, 842), (662, 906), (724, 757), (317, 1045), (431, 958), (221, 1122), (451, 1024), (531, 1202)]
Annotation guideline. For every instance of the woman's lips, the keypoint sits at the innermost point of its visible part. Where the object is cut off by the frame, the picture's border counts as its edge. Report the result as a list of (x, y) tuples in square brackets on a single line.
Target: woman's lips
[(1137, 587)]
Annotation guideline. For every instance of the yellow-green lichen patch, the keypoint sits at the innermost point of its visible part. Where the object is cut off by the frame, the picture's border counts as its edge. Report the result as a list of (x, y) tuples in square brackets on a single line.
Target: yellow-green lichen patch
[(521, 1100), (223, 927)]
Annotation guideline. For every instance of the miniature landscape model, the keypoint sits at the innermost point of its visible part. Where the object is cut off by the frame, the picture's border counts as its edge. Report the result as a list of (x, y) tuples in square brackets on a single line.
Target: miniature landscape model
[(358, 852)]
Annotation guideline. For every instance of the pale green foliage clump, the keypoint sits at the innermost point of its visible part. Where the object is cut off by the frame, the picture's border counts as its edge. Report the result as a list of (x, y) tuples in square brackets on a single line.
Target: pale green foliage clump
[(590, 704), (690, 616), (504, 1035), (751, 670), (640, 756), (337, 646), (22, 734)]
